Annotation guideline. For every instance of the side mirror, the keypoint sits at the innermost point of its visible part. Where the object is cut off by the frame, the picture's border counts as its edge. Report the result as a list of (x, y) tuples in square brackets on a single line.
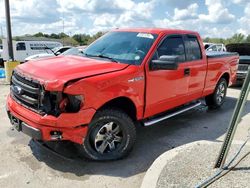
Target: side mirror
[(165, 62)]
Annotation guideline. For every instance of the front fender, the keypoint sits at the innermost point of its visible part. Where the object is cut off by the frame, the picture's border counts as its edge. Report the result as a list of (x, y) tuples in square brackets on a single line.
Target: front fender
[(98, 90)]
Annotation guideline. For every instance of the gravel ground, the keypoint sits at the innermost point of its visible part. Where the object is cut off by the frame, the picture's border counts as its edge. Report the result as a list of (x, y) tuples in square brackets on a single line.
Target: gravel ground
[(24, 163)]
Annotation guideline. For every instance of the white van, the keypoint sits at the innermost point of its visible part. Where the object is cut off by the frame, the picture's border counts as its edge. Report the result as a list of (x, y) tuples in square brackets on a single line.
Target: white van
[(23, 49)]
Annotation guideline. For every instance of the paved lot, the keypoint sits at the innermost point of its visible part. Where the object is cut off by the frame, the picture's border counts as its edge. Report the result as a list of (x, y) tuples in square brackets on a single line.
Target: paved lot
[(24, 163)]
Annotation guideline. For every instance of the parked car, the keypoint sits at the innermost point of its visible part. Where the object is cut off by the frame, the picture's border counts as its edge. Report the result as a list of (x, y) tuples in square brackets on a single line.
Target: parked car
[(24, 49), (74, 51), (63, 52), (215, 47), (244, 51), (49, 53), (126, 78)]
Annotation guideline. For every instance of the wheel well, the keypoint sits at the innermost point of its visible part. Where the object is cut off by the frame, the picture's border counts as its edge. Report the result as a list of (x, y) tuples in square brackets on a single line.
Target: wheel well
[(226, 76), (124, 104)]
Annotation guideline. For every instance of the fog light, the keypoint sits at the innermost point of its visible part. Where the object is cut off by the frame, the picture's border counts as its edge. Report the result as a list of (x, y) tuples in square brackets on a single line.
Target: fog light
[(56, 135)]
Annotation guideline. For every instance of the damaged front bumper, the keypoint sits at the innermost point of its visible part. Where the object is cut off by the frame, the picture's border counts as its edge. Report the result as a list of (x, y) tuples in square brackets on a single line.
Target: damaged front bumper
[(67, 126)]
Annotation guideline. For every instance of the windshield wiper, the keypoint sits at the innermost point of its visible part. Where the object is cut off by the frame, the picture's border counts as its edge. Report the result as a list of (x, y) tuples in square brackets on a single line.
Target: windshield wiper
[(47, 48), (102, 56)]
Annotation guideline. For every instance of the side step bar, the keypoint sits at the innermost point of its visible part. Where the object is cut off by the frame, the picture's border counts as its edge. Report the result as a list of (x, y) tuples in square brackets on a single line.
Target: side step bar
[(182, 110)]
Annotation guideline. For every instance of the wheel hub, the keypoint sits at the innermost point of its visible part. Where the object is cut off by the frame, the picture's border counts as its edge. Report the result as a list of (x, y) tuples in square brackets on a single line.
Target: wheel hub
[(108, 137)]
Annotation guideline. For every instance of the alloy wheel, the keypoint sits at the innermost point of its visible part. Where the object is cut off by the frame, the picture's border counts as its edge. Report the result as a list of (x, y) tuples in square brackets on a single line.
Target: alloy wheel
[(108, 138), (221, 91)]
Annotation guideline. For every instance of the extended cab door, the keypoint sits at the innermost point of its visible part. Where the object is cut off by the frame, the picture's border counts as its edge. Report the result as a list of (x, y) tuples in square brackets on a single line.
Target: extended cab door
[(196, 63), (166, 89)]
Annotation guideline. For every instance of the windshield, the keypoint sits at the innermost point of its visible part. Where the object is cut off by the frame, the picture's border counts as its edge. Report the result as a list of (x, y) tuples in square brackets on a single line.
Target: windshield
[(124, 47)]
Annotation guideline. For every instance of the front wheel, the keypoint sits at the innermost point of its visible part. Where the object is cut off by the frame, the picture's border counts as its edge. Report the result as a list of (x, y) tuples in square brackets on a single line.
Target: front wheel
[(111, 136), (216, 99)]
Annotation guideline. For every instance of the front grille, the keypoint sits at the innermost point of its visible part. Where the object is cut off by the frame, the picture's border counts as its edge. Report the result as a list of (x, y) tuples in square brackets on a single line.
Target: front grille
[(26, 92), (243, 67)]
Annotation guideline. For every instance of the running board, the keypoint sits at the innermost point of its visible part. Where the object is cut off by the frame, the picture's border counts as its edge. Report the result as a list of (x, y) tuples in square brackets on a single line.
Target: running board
[(184, 109)]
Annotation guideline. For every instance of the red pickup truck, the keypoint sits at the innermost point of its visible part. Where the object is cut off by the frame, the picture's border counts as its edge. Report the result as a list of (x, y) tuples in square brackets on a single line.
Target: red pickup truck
[(125, 77)]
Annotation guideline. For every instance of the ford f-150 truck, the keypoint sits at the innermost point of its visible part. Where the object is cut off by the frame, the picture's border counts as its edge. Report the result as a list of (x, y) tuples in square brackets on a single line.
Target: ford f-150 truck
[(243, 49), (126, 78)]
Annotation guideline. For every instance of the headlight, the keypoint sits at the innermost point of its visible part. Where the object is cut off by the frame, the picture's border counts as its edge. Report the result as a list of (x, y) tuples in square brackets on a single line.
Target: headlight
[(55, 103), (71, 103)]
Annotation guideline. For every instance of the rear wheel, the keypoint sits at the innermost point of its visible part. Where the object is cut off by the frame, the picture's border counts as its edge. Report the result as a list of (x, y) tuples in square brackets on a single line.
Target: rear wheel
[(216, 99), (111, 136)]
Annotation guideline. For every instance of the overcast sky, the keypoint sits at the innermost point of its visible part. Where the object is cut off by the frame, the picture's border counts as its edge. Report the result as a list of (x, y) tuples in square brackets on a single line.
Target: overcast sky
[(213, 18)]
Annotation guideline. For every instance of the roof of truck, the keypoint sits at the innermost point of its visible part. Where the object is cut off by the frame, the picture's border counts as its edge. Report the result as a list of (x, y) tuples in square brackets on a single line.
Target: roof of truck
[(156, 30)]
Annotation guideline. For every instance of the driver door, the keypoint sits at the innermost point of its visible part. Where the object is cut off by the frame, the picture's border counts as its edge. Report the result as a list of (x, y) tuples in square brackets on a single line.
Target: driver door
[(166, 89)]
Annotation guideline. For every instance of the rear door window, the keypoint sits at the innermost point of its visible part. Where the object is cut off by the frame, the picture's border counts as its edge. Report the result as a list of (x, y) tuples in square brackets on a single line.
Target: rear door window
[(192, 47)]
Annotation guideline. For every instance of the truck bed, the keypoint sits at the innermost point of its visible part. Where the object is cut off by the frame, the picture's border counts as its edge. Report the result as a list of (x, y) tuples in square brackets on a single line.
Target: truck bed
[(213, 54)]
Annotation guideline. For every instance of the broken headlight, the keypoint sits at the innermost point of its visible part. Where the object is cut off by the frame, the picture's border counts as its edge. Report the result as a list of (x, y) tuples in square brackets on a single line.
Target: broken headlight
[(71, 103), (54, 103)]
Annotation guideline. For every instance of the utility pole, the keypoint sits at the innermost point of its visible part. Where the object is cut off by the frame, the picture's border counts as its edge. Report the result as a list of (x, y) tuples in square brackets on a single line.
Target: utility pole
[(2, 32), (63, 26), (8, 26)]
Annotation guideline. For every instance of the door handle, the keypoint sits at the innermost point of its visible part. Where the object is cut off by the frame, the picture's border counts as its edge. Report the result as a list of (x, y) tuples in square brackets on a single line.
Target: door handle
[(186, 71)]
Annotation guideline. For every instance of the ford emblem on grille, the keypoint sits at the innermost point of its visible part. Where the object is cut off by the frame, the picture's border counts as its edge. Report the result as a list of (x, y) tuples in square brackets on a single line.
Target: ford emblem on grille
[(18, 90)]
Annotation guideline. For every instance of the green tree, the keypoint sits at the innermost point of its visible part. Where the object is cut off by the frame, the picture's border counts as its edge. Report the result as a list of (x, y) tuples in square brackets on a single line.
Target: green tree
[(237, 38), (248, 38), (82, 39), (207, 39), (39, 34), (54, 36), (62, 35), (69, 41)]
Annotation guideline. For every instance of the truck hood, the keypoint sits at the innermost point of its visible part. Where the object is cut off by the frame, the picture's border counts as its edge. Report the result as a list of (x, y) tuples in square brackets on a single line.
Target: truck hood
[(54, 72)]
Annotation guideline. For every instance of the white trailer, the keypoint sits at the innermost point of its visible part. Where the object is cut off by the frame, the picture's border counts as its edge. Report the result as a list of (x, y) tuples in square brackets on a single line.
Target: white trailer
[(23, 49)]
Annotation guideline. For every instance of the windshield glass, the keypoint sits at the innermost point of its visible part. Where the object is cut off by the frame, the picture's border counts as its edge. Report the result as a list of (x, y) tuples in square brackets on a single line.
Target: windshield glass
[(124, 47)]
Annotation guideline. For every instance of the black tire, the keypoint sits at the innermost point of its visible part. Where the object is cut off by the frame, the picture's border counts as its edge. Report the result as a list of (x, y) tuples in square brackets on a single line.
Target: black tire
[(122, 130), (216, 99)]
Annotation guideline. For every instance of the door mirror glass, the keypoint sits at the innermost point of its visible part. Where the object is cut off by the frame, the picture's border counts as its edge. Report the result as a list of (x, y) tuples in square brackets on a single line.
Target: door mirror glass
[(165, 62)]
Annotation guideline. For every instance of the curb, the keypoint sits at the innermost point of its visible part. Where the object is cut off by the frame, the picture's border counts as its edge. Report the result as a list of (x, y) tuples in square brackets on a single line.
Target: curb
[(152, 175)]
